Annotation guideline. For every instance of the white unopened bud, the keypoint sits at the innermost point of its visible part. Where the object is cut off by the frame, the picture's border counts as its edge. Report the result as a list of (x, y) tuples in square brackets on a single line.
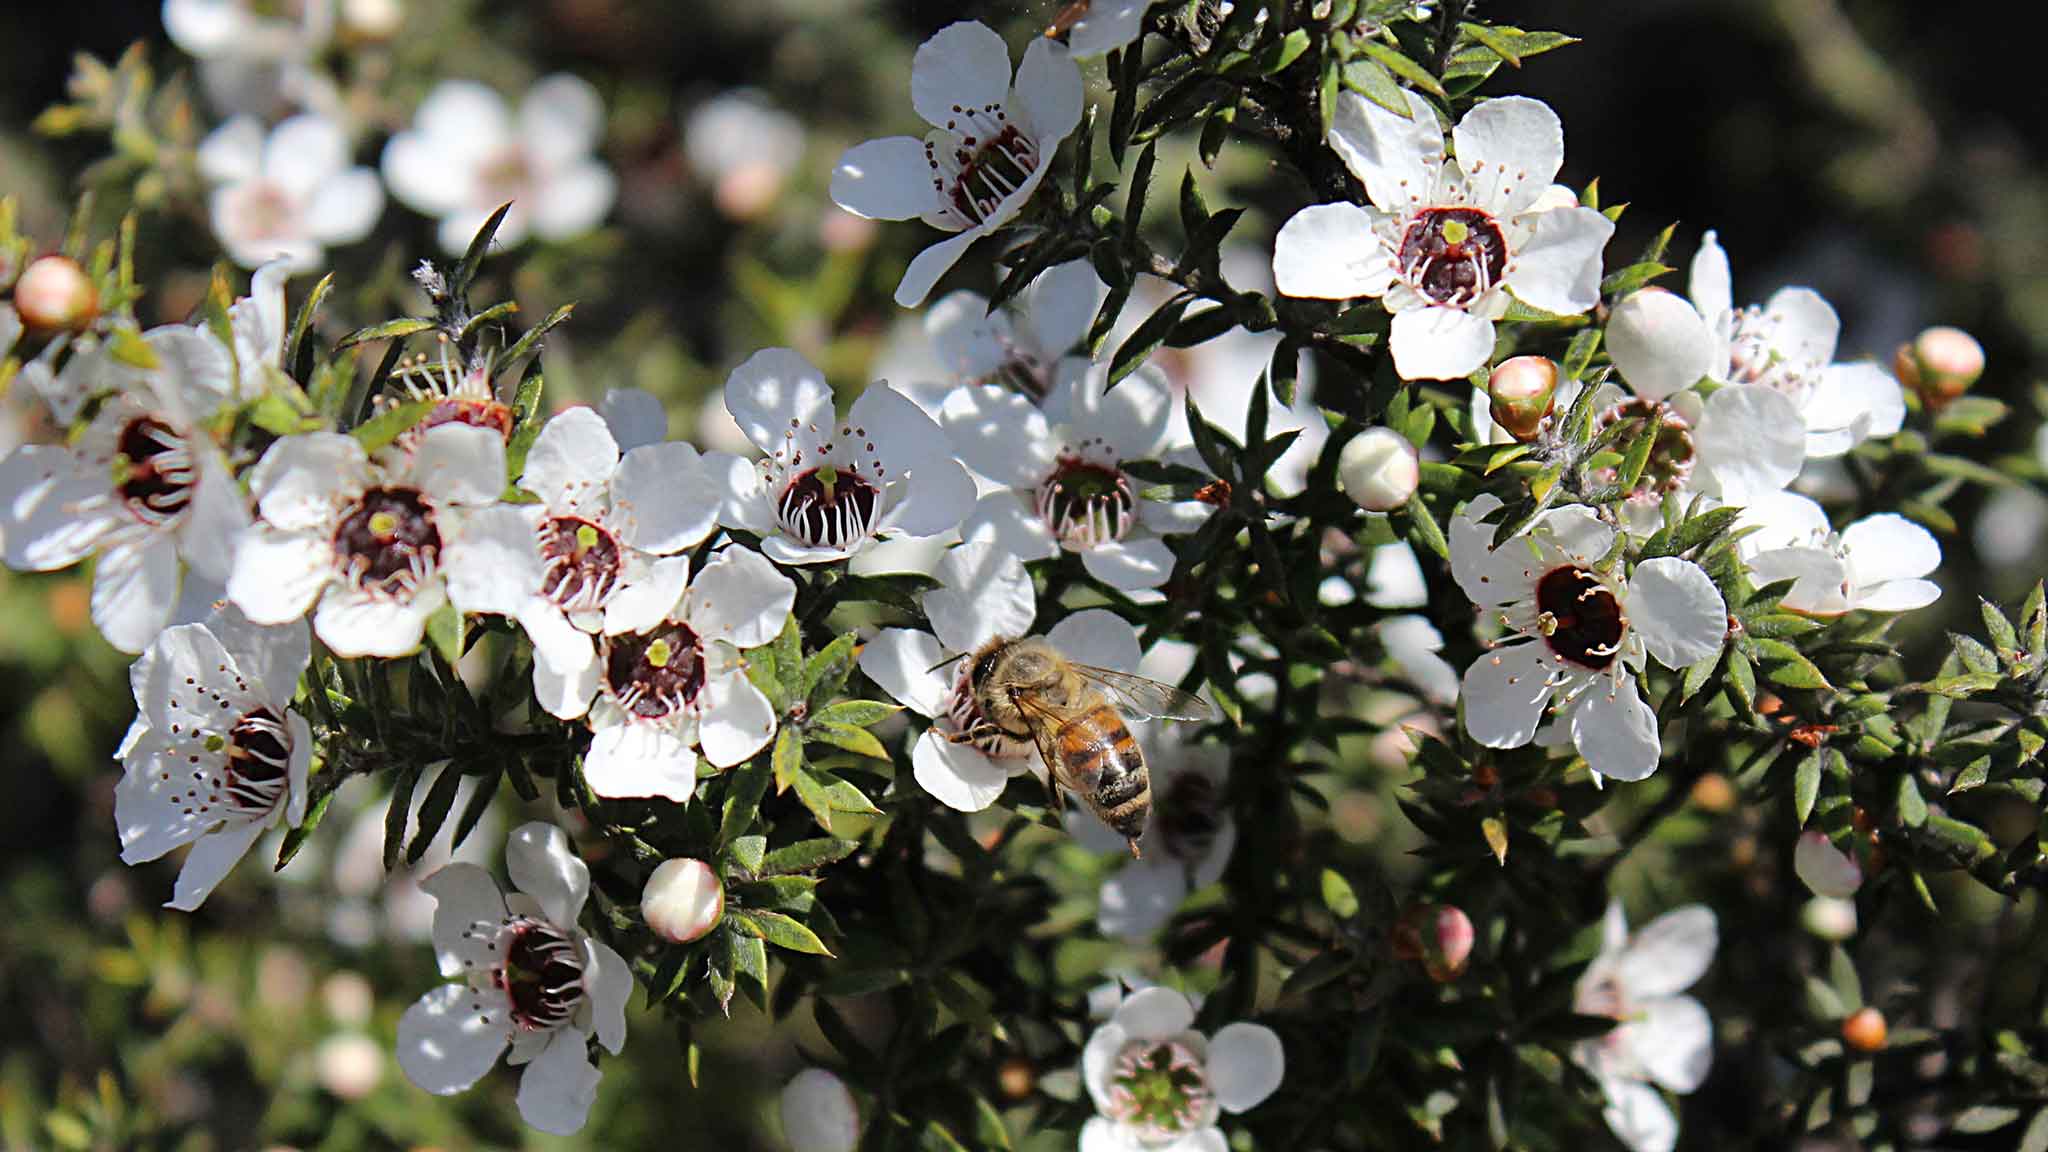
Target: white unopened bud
[(1379, 469), (1523, 391), (683, 900), (349, 1064), (54, 294), (818, 1113), (1829, 918)]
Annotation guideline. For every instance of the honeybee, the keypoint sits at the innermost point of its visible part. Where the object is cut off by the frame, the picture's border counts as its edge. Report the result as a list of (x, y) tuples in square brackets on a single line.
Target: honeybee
[(1027, 690)]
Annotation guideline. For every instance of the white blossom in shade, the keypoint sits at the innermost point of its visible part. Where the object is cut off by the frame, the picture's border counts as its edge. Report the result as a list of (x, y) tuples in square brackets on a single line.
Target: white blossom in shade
[(256, 56), (1186, 844), (1066, 486), (1025, 346), (1414, 643), (531, 981), (216, 755), (1577, 635), (669, 677), (1878, 564), (289, 194), (1447, 240), (1662, 1038), (991, 143), (828, 485), (1393, 577), (1160, 1086), (364, 545), (1662, 344), (744, 148), (818, 1113), (604, 521), (1105, 26), (984, 595), (257, 322), (144, 486), (1825, 869), (467, 153)]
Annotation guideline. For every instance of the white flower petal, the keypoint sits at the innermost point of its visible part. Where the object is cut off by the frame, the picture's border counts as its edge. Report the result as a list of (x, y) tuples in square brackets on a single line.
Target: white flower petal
[(151, 815), (1509, 149), (1048, 89), (1098, 1058), (571, 461), (1061, 303), (1395, 157), (1139, 898), (1708, 284), (1130, 420), (775, 396), (559, 1086), (468, 907), (1659, 343), (1823, 578), (1437, 343), (133, 590), (1639, 1116), (1899, 596), (885, 179), (1154, 1013), (1246, 1064), (211, 858), (740, 598), (451, 1036), (983, 593), (233, 152), (460, 463), (565, 690), (1106, 26), (356, 623), (1674, 1040), (303, 152), (560, 118), (1616, 731), (999, 434), (1504, 694), (1670, 954), (738, 720), (345, 207), (934, 262), (664, 499), (632, 760), (42, 489), (218, 518), (1824, 868), (956, 775), (493, 564), (1888, 546), (1098, 637), (1751, 443), (1557, 268), (1487, 575), (1859, 400), (818, 1113), (1003, 519), (544, 865), (1330, 252), (278, 575), (634, 417), (904, 662), (423, 177), (609, 983), (1804, 326), (1674, 606), (963, 65), (573, 201), (1132, 564), (301, 479), (640, 605)]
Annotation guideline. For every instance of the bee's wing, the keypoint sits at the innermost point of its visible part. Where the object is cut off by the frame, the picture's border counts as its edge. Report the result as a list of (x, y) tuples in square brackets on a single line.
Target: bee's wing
[(1143, 699)]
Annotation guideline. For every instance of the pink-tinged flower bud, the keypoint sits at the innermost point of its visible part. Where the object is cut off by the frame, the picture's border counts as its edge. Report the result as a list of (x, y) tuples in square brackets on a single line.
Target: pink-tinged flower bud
[(54, 294), (1940, 364), (1829, 918), (818, 1113), (1824, 868), (1523, 390), (1379, 469), (1439, 936), (683, 900), (1864, 1031)]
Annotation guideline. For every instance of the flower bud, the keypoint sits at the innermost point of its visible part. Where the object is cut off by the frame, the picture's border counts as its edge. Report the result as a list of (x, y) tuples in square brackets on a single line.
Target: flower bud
[(1864, 1030), (371, 21), (1824, 868), (1829, 918), (1017, 1078), (349, 1065), (818, 1113), (1439, 936), (54, 294), (1940, 364), (1379, 469), (682, 900), (1713, 793), (1523, 391)]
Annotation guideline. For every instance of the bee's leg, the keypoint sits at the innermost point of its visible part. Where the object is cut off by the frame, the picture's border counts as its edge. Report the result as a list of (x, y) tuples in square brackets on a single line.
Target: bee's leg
[(982, 731)]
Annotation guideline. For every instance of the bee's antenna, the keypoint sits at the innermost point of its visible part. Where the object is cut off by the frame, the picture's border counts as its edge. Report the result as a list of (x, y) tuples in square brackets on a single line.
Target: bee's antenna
[(954, 659)]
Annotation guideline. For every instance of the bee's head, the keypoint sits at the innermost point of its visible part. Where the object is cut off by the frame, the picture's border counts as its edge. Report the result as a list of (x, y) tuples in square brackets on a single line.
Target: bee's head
[(985, 666)]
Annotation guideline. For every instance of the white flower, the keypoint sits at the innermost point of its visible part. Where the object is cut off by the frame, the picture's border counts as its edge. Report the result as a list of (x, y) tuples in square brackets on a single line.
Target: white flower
[(258, 323), (830, 485), (1186, 845), (466, 154), (1065, 486), (1025, 346), (1662, 1038), (984, 595), (1393, 577), (1413, 643), (216, 755), (990, 145), (744, 147), (1160, 1086), (1447, 240), (1578, 635), (668, 674), (144, 486), (818, 1113), (603, 522), (1877, 564), (289, 195), (255, 55), (364, 540), (531, 979), (1662, 344), (1105, 26)]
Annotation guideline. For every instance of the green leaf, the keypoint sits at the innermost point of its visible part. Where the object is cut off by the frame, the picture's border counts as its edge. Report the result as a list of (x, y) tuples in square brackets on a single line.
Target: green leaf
[(396, 815), (295, 838), (1395, 61), (381, 430), (444, 632), (1147, 337), (1912, 806), (826, 672), (480, 246), (748, 853), (1423, 530), (433, 812), (779, 930), (1140, 191), (1338, 896), (530, 340), (1806, 786), (859, 713), (858, 741), (527, 418), (745, 785), (787, 759), (388, 330), (806, 856), (1278, 55), (1496, 832), (298, 353)]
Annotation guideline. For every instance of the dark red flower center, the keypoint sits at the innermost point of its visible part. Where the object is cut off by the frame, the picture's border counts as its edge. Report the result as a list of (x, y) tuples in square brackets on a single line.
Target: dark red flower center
[(581, 563), (656, 673), (993, 159), (259, 758), (154, 472), (829, 507), (542, 975), (1671, 452), (388, 542), (1086, 504), (1453, 255), (1582, 618)]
